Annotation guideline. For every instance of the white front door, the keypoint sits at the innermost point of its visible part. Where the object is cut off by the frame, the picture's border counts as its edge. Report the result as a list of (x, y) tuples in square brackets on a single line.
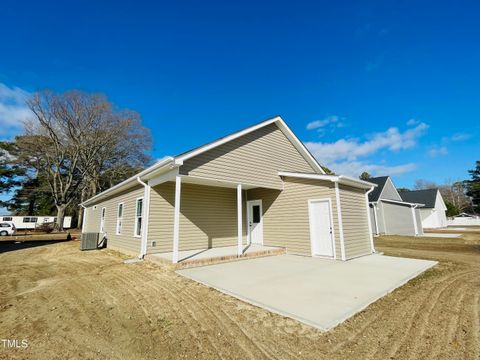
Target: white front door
[(320, 227), (255, 222)]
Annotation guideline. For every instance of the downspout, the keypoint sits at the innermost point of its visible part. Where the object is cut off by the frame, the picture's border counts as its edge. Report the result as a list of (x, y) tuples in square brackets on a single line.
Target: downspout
[(415, 225), (369, 220), (375, 215), (145, 217)]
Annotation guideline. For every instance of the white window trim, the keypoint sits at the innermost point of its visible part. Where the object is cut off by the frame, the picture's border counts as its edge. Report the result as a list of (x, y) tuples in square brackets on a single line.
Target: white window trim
[(119, 218), (102, 223), (136, 218)]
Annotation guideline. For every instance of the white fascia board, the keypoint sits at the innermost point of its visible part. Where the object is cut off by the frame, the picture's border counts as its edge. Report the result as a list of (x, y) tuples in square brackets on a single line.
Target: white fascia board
[(281, 125), (299, 145), (344, 180), (347, 180), (132, 181), (332, 178)]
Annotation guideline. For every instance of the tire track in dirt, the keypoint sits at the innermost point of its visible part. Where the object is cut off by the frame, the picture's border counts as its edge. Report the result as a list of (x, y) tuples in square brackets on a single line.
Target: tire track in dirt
[(184, 313), (419, 319), (206, 312)]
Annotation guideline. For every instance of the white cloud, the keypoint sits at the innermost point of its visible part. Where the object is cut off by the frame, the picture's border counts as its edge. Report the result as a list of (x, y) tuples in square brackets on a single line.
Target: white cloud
[(438, 151), (324, 122), (412, 122), (355, 168), (460, 137), (352, 149), (344, 156), (13, 110)]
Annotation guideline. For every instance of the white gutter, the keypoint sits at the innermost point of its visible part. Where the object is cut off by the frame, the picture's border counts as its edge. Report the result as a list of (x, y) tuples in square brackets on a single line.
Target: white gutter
[(375, 215), (341, 179), (145, 218), (369, 219)]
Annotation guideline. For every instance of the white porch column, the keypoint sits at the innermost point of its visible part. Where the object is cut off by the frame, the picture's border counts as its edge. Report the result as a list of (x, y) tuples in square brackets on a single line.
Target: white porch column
[(176, 219), (239, 219)]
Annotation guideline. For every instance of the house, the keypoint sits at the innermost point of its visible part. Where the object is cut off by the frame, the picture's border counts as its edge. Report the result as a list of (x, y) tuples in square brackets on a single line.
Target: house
[(33, 222), (434, 213), (389, 213), (257, 187)]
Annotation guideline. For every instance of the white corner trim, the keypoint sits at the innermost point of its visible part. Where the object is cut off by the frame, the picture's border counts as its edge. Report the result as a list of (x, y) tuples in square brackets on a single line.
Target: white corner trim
[(329, 200), (84, 218), (370, 233), (176, 219), (239, 221), (340, 222)]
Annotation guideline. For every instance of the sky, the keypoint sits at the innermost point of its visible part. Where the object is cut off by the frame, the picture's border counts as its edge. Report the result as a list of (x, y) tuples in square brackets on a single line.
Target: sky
[(388, 87)]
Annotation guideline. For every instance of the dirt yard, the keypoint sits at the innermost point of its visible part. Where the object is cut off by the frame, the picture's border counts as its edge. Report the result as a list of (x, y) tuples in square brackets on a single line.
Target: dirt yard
[(90, 305)]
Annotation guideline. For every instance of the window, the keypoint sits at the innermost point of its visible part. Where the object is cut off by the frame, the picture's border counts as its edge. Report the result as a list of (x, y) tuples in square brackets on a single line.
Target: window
[(138, 217), (119, 218), (7, 218), (102, 220), (5, 225), (256, 213), (29, 219)]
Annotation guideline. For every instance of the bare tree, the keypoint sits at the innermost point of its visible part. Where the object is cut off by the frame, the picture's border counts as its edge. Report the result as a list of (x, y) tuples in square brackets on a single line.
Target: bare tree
[(421, 184), (74, 137), (455, 192)]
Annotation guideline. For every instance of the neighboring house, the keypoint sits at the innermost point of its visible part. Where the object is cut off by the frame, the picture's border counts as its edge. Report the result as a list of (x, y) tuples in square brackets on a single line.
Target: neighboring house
[(33, 222), (390, 215), (258, 186), (434, 213)]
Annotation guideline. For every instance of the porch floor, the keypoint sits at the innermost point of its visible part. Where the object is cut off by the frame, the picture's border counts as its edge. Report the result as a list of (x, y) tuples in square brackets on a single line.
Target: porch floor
[(208, 256)]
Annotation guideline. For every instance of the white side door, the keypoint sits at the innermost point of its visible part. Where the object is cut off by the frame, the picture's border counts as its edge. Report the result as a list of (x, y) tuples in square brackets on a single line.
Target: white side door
[(255, 222), (320, 227)]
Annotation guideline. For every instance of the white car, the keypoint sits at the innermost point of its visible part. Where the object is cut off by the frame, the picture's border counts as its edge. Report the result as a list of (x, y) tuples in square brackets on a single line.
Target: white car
[(7, 229)]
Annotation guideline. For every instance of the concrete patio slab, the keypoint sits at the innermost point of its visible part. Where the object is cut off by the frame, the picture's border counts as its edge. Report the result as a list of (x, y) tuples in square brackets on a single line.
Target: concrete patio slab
[(319, 292)]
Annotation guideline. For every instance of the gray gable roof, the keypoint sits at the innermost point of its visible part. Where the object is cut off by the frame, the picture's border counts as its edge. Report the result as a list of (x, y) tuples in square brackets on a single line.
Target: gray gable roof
[(427, 197), (380, 181)]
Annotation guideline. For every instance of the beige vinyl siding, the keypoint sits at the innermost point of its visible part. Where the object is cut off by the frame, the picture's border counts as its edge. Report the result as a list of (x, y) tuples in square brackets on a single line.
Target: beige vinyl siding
[(285, 213), (208, 217), (355, 222), (126, 241), (255, 158)]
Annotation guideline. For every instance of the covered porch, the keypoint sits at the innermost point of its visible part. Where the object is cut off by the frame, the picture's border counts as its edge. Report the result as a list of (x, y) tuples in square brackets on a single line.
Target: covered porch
[(208, 256), (213, 221)]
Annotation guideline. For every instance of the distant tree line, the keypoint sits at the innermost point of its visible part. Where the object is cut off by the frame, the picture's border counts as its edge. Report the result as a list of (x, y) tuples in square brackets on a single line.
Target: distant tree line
[(75, 145), (459, 196)]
